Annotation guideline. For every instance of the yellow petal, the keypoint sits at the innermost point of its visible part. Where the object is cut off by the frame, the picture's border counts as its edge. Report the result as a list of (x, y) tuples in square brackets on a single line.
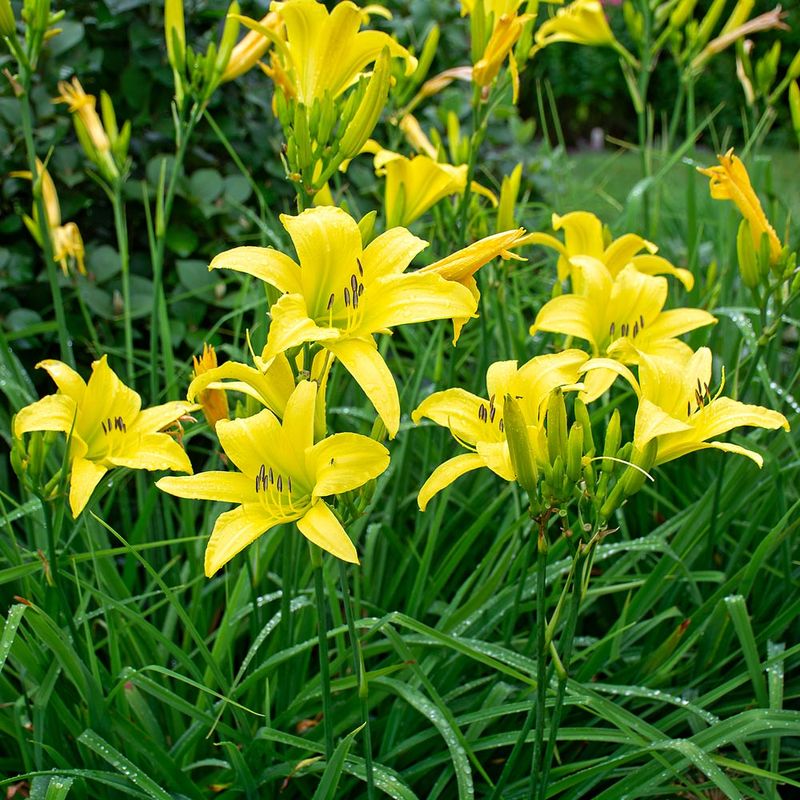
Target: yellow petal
[(224, 487), (233, 531), (677, 321), (656, 265), (85, 475), (496, 456), (344, 462), (106, 396), (622, 250), (652, 421), (445, 474), (360, 357), (151, 451), (291, 326), (264, 263), (724, 414), (252, 441), (572, 315), (668, 451), (156, 418), (538, 377), (56, 412), (298, 426), (412, 298), (455, 409), (320, 526), (67, 380), (391, 252)]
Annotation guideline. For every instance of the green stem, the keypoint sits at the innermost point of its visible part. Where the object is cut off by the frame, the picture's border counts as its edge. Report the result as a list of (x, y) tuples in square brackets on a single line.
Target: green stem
[(121, 225), (158, 319), (324, 663), (567, 644), (541, 656), (526, 560), (478, 132), (361, 678), (64, 343), (691, 185), (541, 667)]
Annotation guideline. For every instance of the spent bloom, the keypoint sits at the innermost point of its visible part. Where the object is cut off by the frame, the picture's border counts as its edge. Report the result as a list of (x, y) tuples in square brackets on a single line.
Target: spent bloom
[(730, 181), (105, 425), (283, 477), (213, 401), (477, 423), (341, 294)]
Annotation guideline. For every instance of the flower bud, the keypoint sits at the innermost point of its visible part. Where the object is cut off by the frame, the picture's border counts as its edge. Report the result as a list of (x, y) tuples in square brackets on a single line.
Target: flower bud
[(634, 476), (509, 191), (794, 106), (175, 33), (746, 253), (613, 501), (227, 42), (582, 418), (611, 445), (8, 26), (681, 13), (519, 445), (556, 426), (793, 73), (575, 452)]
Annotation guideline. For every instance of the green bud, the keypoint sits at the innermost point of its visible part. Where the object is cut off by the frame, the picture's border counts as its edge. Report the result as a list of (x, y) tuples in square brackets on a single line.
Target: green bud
[(575, 452), (582, 417), (426, 56), (556, 426), (230, 33), (681, 13), (709, 23), (794, 105), (613, 501), (301, 137), (366, 226), (370, 108), (313, 117), (764, 255), (588, 477), (120, 147), (793, 73), (206, 79), (327, 119), (559, 478), (8, 25), (109, 117), (611, 445), (746, 253), (282, 109), (634, 21), (633, 479), (520, 446), (767, 69), (175, 34), (625, 452), (478, 34)]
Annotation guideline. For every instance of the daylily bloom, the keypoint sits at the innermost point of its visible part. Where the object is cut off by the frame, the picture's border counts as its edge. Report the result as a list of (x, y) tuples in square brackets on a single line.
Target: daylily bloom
[(477, 423), (621, 317), (283, 478), (106, 426), (509, 191), (213, 402), (730, 181), (676, 407), (584, 236), (341, 294), (249, 51), (65, 239), (581, 22), (324, 51), (462, 265), (508, 28)]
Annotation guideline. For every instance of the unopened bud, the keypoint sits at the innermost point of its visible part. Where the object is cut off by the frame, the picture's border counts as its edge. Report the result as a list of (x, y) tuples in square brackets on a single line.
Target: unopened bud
[(681, 13), (426, 56), (227, 42), (574, 452), (613, 501), (519, 445), (8, 26), (634, 477), (366, 225), (556, 426), (611, 445), (509, 191), (794, 106), (793, 73), (746, 253), (582, 418), (175, 33)]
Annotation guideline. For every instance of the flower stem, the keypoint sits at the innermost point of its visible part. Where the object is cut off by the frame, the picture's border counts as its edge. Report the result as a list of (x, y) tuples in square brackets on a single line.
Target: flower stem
[(64, 343), (361, 678), (121, 225), (324, 663)]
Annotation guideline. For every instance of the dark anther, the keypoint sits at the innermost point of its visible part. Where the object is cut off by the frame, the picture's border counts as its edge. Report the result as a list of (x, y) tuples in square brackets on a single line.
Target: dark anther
[(612, 329), (258, 480), (355, 299), (354, 285), (641, 321), (699, 398), (708, 394), (331, 462), (289, 483), (635, 329), (330, 302), (360, 267), (346, 296), (271, 476), (699, 387), (492, 413), (688, 408), (501, 426), (360, 289), (279, 483), (104, 426)]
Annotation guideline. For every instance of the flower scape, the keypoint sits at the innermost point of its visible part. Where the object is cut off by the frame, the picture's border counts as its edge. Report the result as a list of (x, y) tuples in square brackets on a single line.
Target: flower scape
[(320, 593)]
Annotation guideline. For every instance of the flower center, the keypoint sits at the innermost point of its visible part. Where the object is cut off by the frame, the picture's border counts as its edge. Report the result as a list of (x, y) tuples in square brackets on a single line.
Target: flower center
[(344, 309), (701, 397), (275, 490), (488, 413), (626, 328)]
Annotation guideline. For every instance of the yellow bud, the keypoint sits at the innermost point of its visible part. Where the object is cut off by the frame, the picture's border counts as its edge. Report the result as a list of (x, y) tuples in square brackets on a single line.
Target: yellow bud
[(794, 107), (509, 192), (681, 13), (227, 42), (575, 452), (556, 426), (175, 33), (582, 418), (519, 445)]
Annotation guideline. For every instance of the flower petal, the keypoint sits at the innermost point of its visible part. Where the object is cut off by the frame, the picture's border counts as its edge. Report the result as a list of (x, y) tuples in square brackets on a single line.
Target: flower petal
[(233, 531), (67, 380), (360, 357), (677, 321), (445, 474), (223, 487), (455, 409), (152, 420), (497, 457), (106, 396), (252, 441), (55, 412), (391, 253), (292, 326), (669, 451), (264, 263), (572, 315), (150, 451), (297, 428), (84, 477), (320, 526), (652, 421), (344, 462), (651, 264)]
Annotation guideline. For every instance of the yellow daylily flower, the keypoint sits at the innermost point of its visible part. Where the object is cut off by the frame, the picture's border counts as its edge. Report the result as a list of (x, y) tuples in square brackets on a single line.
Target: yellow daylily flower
[(730, 181), (509, 191), (677, 409), (584, 236), (324, 51), (342, 293), (416, 137), (83, 105), (462, 265), (621, 317), (213, 401), (508, 28), (581, 22), (283, 478), (497, 8), (106, 426), (66, 239), (251, 49), (477, 423)]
